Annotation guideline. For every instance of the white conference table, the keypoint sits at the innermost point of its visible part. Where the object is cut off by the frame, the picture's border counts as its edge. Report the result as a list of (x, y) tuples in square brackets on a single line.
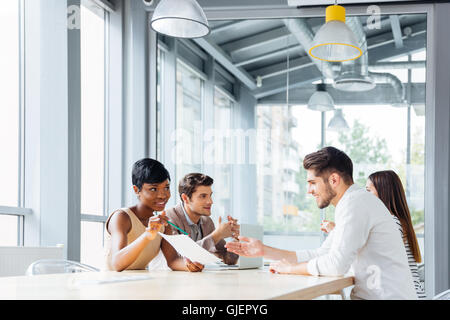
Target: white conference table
[(257, 284)]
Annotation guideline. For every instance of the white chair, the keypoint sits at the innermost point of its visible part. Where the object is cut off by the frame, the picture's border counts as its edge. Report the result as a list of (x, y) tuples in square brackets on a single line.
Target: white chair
[(48, 266), (443, 296), (14, 261)]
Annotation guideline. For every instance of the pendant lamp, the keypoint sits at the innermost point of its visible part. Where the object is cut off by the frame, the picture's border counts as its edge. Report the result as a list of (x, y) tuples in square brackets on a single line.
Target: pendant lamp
[(338, 122), (321, 99), (180, 19), (335, 41)]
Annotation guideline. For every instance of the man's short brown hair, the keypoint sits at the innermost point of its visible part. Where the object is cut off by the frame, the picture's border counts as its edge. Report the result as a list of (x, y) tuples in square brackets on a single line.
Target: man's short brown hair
[(188, 185), (330, 160)]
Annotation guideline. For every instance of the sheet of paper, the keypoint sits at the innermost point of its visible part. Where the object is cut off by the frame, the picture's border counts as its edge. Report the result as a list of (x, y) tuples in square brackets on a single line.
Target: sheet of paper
[(187, 248)]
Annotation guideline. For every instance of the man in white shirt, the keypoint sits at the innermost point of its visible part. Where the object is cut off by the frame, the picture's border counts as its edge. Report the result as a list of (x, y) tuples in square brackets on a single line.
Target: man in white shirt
[(365, 237)]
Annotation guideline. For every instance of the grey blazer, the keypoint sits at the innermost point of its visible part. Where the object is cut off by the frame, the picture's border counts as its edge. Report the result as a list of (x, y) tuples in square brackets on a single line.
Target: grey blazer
[(177, 217)]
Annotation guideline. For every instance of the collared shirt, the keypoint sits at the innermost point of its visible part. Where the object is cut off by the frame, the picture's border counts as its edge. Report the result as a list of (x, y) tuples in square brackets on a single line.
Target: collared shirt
[(367, 240), (196, 228)]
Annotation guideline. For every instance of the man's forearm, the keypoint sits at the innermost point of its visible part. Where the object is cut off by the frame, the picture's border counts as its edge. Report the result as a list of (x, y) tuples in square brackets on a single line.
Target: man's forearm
[(278, 254)]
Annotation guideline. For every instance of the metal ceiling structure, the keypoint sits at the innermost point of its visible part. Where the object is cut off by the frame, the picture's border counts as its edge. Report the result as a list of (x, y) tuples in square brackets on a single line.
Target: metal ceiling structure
[(255, 51), (249, 49)]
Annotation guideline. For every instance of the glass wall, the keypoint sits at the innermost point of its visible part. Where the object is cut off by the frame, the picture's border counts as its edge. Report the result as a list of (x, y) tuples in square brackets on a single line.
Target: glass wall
[(223, 110), (189, 125), (382, 134), (285, 136), (198, 137), (93, 115), (10, 119), (385, 124)]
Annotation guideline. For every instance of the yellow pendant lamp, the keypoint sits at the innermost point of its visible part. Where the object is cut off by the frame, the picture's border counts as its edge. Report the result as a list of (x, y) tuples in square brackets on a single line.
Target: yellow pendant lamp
[(335, 42)]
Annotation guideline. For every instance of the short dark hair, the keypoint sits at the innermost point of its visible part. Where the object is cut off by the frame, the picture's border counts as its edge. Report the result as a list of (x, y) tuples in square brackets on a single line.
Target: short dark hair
[(330, 160), (149, 171), (188, 185)]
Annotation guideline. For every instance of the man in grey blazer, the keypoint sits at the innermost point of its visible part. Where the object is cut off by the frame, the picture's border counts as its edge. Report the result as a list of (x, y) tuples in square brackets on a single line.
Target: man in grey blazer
[(193, 216)]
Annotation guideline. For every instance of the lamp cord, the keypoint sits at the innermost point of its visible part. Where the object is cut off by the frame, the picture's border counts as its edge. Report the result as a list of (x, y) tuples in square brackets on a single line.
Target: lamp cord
[(288, 69)]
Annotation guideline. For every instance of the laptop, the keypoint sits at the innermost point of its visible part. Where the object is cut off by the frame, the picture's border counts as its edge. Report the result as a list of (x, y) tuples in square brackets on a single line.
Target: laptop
[(250, 231)]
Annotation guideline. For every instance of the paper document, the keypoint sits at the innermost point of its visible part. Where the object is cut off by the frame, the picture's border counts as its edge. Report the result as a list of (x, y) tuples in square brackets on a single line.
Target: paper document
[(188, 248)]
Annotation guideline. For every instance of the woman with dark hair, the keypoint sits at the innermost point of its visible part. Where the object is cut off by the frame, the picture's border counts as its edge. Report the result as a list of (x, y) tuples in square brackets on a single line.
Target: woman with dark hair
[(132, 238), (387, 186)]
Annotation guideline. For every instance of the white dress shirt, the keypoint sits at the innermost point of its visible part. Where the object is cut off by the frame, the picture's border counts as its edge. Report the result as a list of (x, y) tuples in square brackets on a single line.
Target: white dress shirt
[(367, 240)]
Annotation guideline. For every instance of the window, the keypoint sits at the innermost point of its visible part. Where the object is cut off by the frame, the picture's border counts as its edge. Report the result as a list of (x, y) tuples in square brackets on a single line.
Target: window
[(92, 243), (11, 129), (92, 111), (291, 132), (380, 137), (160, 72), (8, 231), (10, 109), (223, 108), (93, 138), (189, 131)]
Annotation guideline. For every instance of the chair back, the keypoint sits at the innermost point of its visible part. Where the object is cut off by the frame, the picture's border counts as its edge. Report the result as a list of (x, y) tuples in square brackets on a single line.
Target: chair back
[(51, 266), (443, 296)]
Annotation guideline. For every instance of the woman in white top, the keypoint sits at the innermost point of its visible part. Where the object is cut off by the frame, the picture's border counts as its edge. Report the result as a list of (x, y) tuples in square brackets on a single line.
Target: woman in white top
[(387, 186)]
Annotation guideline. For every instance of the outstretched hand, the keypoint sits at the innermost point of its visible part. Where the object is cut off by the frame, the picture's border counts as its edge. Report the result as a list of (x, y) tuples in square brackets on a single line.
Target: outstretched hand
[(248, 247)]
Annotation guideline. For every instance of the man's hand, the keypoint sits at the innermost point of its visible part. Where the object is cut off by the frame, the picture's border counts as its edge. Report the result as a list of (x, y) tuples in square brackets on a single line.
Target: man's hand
[(223, 230), (155, 225), (235, 228), (248, 247), (327, 226), (193, 266), (281, 267)]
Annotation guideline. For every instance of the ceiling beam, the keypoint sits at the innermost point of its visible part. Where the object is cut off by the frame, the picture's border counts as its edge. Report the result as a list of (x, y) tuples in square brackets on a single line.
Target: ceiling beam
[(281, 68), (222, 57), (257, 40), (381, 94), (396, 31), (278, 84), (227, 26), (268, 55)]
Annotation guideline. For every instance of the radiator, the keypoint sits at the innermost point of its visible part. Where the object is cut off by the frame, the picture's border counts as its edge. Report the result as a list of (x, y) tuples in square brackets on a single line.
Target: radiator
[(14, 261)]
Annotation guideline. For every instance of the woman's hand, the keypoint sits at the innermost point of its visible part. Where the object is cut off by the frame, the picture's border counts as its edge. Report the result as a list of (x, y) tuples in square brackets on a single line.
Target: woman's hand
[(155, 224), (193, 266), (327, 226)]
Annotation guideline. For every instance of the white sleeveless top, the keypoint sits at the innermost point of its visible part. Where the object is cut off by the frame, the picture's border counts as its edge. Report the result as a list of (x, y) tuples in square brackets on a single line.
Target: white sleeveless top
[(137, 229)]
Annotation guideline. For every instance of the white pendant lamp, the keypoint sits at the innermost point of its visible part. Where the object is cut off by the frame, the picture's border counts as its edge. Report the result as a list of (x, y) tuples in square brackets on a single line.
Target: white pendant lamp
[(321, 99), (335, 41), (338, 122), (180, 19)]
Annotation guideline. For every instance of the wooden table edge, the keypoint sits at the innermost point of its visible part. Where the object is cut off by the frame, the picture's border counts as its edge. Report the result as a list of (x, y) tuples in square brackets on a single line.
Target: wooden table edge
[(318, 290)]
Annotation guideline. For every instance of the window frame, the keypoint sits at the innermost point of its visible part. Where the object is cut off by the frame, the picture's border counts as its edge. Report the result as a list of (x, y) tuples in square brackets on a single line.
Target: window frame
[(20, 211), (435, 158), (103, 218)]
